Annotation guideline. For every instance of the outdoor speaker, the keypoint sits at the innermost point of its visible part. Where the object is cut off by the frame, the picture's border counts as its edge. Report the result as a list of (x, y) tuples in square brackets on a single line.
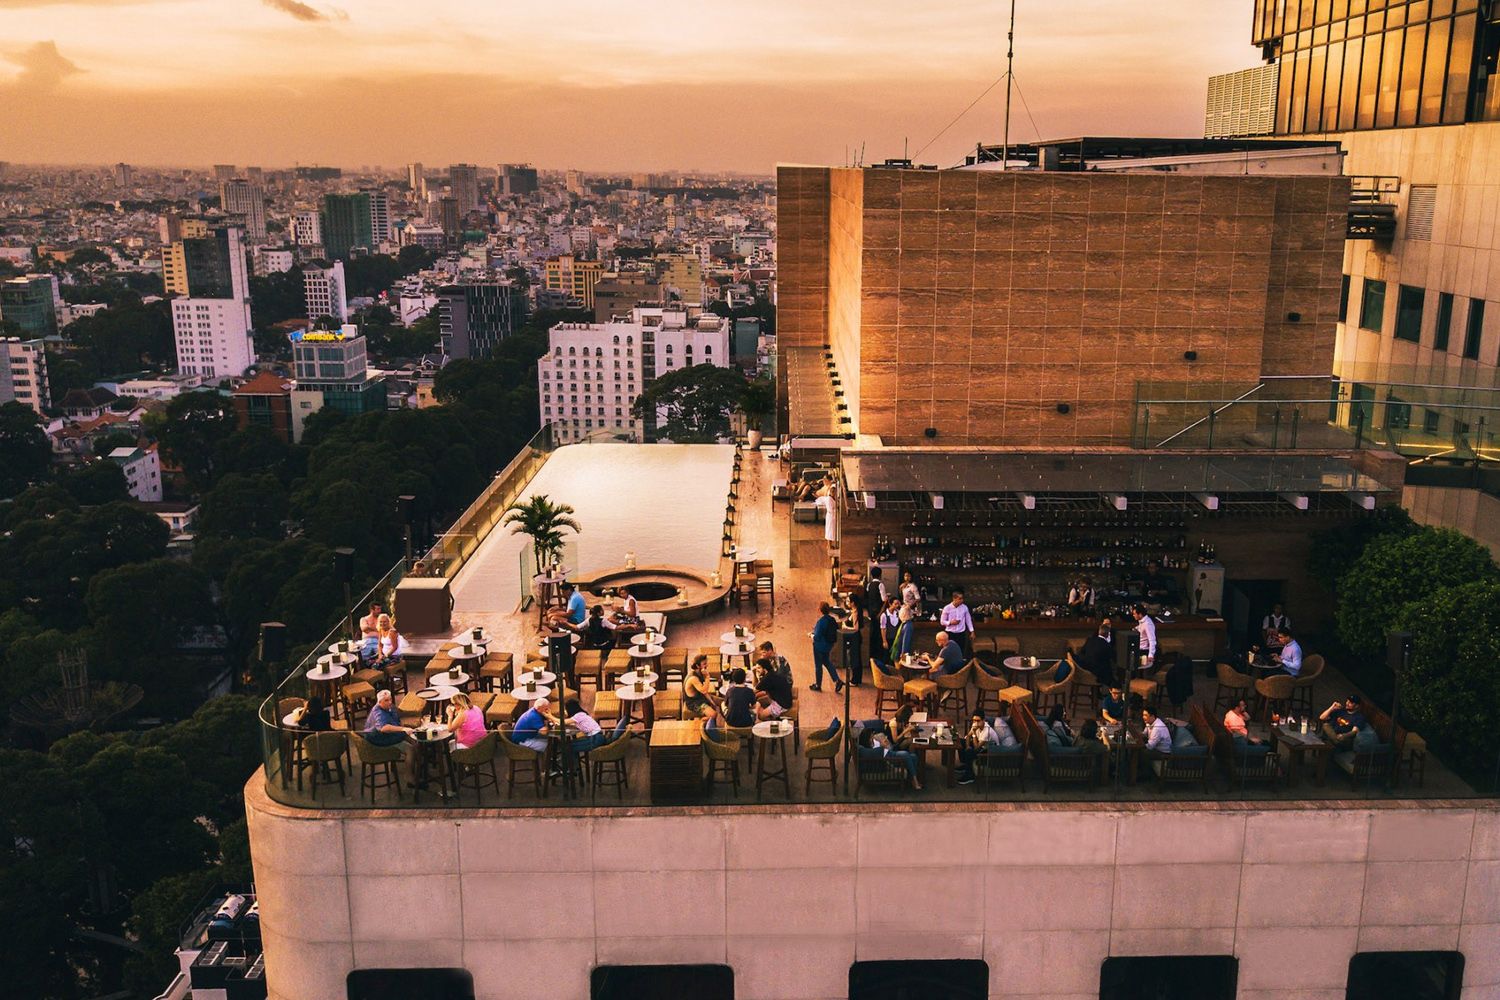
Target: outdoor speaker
[(272, 642), (1397, 649), (343, 565), (405, 508)]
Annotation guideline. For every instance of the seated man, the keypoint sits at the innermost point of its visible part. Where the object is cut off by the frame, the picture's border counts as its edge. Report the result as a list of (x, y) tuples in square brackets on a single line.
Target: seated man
[(983, 738), (773, 690), (1290, 656), (573, 613), (769, 655), (1237, 722), (369, 632), (1113, 706), (599, 631), (1342, 723), (950, 656), (531, 728), (873, 746), (383, 725), (1158, 736)]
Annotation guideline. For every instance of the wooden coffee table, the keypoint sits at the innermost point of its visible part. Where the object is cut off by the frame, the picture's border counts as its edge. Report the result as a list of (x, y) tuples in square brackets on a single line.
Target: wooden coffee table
[(676, 760)]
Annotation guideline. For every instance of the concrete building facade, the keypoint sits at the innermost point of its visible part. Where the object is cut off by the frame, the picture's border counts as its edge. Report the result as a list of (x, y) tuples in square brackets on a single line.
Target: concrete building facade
[(23, 373), (324, 291), (473, 317), (142, 469), (31, 301), (245, 202), (572, 278), (1023, 308)]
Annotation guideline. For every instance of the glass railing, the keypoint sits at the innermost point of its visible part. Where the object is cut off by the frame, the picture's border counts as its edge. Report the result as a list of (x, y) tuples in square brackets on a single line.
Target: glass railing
[(458, 544), (1418, 420)]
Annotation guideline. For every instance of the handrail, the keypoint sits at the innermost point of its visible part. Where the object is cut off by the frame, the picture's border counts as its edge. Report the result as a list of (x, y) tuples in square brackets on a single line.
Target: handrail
[(1211, 413)]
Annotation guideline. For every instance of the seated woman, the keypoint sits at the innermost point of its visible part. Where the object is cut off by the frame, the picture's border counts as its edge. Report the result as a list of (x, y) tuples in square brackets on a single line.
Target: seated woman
[(630, 609), (697, 693), (392, 645), (590, 734), (598, 631), (315, 717), (739, 700), (1059, 733), (902, 640), (1088, 740), (465, 721), (902, 728), (876, 747)]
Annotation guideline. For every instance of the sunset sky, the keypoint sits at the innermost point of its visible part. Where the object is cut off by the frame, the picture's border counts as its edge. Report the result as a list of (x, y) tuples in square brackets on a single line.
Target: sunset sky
[(651, 84)]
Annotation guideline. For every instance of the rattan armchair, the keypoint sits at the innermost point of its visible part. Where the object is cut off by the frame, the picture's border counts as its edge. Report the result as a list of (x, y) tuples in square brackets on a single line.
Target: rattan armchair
[(477, 763), (525, 763), (608, 761), (379, 766), (822, 756), (1302, 686), (723, 761), (1233, 686), (953, 692)]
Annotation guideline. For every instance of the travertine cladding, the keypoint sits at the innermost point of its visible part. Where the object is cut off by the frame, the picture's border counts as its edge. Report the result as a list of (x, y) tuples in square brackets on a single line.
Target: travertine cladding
[(1043, 893), (985, 299)]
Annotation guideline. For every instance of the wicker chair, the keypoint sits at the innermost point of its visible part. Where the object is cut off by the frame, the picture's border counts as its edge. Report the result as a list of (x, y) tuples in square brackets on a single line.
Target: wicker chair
[(723, 761), (745, 737), (1302, 686), (822, 755), (1000, 765), (608, 761), (1050, 691), (953, 691), (526, 762), (1275, 693), (887, 691), (379, 767), (1233, 686), (322, 750), (477, 763), (1085, 688), (987, 688)]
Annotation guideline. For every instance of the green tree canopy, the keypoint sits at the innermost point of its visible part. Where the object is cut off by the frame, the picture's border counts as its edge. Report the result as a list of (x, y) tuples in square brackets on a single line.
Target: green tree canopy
[(24, 451), (1395, 570), (245, 506), (695, 401), (190, 431)]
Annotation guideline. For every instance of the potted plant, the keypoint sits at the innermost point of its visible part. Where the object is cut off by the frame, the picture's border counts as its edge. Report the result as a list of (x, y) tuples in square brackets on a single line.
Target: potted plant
[(543, 521), (757, 400)]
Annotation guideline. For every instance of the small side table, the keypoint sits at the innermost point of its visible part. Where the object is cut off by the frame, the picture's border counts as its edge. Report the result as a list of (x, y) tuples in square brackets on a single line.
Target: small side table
[(772, 732)]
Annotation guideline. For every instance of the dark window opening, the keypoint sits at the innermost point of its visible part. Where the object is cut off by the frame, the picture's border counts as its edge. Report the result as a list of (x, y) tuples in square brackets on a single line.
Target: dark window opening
[(662, 982), (1474, 330), (1410, 975), (1169, 977), (1409, 314), (939, 979), (410, 984), (1372, 305), (1397, 413), (1344, 300), (1444, 321)]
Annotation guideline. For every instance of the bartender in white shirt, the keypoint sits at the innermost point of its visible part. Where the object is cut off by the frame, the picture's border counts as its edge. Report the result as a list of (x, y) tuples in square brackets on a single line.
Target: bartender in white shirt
[(958, 623), (1145, 627)]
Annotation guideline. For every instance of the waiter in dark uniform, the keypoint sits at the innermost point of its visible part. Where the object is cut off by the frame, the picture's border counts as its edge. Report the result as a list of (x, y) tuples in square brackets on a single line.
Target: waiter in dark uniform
[(875, 602)]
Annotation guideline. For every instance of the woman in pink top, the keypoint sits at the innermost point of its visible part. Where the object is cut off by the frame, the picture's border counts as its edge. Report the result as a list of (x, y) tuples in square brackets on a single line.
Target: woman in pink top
[(465, 721)]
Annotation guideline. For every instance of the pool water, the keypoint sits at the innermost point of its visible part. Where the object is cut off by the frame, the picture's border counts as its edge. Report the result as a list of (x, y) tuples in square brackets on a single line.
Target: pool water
[(664, 502)]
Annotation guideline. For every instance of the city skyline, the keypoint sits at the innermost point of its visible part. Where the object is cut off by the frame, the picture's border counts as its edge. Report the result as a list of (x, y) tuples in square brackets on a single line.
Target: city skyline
[(279, 82)]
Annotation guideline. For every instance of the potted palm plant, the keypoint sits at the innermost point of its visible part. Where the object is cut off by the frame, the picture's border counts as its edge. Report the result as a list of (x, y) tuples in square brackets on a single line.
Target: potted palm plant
[(756, 401), (544, 522)]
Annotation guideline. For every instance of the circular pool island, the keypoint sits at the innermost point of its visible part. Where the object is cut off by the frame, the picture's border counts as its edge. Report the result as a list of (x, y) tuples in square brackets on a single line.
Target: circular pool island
[(657, 588)]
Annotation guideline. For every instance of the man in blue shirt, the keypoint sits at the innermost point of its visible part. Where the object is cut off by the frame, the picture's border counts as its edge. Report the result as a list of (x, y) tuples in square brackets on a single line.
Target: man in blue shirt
[(383, 726), (950, 655), (1290, 656), (574, 613), (531, 728)]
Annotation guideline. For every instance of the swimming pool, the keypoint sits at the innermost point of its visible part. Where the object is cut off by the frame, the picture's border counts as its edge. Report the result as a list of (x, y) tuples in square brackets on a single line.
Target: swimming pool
[(664, 502)]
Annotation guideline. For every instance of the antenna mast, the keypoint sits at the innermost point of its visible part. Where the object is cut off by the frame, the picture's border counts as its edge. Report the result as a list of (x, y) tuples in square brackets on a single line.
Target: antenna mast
[(1010, 63)]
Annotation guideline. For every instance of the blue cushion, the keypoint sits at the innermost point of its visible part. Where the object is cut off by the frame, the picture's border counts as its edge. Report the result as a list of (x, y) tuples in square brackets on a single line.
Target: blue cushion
[(833, 726), (1062, 671), (1054, 741), (1183, 738), (1366, 740)]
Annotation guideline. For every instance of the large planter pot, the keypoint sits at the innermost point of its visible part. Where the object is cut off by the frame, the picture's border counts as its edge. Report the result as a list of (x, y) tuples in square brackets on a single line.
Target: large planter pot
[(753, 438)]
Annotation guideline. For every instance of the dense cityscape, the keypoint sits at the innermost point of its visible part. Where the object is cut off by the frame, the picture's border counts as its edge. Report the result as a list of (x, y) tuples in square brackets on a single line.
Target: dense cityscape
[(1039, 568)]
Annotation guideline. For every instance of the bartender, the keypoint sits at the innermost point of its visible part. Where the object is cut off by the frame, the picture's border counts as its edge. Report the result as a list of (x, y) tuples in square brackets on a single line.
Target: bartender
[(1155, 584), (1081, 596)]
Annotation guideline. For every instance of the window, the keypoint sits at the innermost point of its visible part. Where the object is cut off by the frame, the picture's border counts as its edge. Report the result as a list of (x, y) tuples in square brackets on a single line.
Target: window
[(1372, 305), (1411, 975), (1429, 421), (1344, 300), (1173, 977), (1444, 321), (410, 984), (1409, 314), (1397, 413), (1474, 329), (942, 979), (628, 982)]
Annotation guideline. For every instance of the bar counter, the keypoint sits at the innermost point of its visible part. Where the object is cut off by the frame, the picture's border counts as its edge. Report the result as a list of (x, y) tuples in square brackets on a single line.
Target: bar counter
[(1198, 637)]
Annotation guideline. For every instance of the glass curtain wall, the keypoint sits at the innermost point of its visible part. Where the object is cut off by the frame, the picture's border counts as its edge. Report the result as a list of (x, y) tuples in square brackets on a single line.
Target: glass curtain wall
[(1362, 64)]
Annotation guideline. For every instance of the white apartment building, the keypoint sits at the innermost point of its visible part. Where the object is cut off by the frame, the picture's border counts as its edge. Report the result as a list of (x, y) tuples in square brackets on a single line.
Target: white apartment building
[(23, 373), (594, 372), (213, 336), (270, 260), (142, 468), (307, 228), (380, 217), (324, 291)]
